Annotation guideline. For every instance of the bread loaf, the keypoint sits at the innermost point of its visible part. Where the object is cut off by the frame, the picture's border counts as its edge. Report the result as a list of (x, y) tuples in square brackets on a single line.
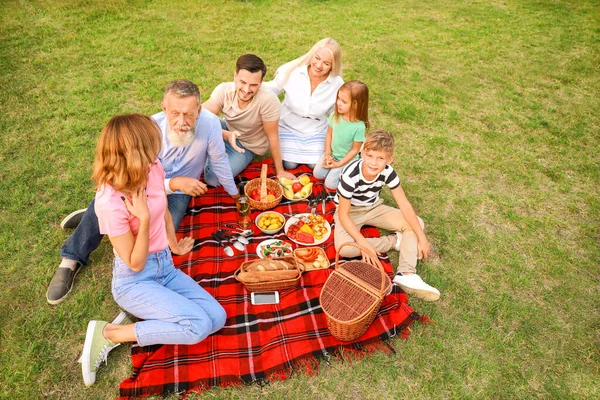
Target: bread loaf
[(269, 265), (266, 276)]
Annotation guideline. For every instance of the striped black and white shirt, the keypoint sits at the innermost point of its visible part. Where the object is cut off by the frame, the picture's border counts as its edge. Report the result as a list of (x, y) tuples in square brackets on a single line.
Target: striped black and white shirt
[(361, 192)]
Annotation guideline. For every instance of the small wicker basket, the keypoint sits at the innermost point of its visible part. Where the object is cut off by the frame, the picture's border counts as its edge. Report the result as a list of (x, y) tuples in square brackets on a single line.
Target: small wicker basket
[(353, 293), (268, 184), (273, 285)]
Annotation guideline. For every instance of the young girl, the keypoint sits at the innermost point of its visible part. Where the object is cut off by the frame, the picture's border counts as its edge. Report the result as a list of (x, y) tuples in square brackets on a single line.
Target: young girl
[(131, 206), (346, 132)]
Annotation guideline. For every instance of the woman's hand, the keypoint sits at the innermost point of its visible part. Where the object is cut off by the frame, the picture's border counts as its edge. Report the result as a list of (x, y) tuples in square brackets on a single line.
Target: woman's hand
[(138, 206), (184, 246)]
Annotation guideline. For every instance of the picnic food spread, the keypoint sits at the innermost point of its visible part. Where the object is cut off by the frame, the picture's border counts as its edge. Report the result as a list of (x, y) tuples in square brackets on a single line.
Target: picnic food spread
[(296, 189), (274, 249), (270, 221), (268, 274), (308, 229), (312, 258)]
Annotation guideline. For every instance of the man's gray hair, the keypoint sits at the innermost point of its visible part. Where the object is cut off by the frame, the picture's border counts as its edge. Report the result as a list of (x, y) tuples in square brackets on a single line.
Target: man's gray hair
[(182, 88)]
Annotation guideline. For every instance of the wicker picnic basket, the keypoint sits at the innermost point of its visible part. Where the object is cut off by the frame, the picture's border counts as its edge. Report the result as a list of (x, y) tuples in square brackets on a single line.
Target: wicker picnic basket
[(271, 285), (353, 293), (262, 184)]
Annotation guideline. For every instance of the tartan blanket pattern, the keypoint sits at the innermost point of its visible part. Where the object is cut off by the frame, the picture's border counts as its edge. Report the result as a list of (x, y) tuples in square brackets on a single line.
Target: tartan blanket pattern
[(257, 343)]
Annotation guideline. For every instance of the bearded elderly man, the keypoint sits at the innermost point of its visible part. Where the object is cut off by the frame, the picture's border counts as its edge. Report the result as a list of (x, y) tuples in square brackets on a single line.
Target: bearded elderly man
[(250, 118), (191, 136)]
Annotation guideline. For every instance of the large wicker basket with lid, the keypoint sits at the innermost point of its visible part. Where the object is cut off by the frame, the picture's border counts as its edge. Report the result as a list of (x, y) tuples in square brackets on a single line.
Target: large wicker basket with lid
[(353, 293)]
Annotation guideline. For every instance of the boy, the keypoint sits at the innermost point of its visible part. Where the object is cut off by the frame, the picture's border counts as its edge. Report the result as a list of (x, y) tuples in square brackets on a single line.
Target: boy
[(359, 204)]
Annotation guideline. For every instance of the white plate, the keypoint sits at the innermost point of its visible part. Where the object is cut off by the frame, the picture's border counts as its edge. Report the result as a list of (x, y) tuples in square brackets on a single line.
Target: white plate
[(269, 241), (292, 220)]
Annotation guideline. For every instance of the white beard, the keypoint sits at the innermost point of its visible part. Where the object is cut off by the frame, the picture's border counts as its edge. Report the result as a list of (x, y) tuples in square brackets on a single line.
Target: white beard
[(183, 139)]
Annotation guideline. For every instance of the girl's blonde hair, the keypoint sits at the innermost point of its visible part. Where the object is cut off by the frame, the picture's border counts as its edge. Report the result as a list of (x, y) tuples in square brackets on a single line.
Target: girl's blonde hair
[(127, 146), (328, 43), (359, 102)]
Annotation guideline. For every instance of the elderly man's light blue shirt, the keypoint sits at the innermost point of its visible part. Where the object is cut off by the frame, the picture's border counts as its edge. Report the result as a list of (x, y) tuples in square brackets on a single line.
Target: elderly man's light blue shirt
[(190, 160)]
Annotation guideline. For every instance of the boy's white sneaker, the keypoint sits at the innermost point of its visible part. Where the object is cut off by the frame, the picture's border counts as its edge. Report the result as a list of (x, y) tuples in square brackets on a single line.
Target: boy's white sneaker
[(399, 234), (414, 285)]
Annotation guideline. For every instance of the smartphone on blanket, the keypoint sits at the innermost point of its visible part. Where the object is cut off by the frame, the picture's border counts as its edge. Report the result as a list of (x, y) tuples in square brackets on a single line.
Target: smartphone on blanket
[(258, 298)]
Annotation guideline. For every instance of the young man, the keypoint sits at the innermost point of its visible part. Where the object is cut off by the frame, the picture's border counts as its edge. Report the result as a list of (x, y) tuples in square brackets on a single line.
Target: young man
[(359, 204), (190, 137), (251, 118)]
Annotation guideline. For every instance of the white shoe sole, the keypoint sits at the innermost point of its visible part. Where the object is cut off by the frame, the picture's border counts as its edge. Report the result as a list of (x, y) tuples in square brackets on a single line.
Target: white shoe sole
[(65, 223), (89, 377), (426, 295)]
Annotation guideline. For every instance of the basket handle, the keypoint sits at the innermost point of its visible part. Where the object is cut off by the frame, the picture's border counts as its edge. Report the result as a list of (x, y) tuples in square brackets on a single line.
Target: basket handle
[(263, 183), (368, 257)]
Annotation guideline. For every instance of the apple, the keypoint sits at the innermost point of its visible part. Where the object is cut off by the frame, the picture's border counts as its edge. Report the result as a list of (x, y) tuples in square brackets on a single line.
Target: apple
[(255, 195), (297, 186)]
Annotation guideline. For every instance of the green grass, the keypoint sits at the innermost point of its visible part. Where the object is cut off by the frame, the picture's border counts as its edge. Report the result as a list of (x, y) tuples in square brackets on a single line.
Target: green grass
[(492, 104)]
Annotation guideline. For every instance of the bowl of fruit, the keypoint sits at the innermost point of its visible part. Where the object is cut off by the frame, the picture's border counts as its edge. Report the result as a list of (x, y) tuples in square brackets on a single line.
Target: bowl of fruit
[(297, 189), (270, 222)]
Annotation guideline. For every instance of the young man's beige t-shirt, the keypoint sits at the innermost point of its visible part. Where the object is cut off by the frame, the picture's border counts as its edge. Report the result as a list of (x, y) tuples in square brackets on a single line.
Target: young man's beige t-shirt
[(248, 121)]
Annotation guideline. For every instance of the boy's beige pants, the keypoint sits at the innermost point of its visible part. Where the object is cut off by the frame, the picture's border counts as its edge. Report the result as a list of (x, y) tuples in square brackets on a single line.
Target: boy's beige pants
[(385, 217)]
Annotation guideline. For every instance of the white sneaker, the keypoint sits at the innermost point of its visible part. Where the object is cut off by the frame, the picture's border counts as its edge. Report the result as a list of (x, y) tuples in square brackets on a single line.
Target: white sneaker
[(399, 234), (413, 284)]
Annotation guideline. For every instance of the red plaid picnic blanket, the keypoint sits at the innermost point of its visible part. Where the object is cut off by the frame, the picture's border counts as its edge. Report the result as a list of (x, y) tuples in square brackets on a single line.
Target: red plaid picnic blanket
[(258, 343)]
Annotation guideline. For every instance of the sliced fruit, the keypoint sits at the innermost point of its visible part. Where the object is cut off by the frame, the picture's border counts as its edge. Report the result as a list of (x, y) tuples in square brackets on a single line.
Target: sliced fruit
[(306, 228), (305, 237)]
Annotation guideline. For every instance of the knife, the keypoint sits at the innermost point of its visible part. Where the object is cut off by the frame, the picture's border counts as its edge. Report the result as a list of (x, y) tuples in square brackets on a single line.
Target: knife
[(324, 199), (310, 201), (315, 201)]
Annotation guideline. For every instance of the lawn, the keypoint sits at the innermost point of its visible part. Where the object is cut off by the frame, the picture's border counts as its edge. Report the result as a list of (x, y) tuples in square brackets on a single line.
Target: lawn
[(492, 104)]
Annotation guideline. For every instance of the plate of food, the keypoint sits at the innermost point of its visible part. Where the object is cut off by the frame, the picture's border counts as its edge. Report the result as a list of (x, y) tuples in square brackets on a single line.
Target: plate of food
[(274, 248), (313, 258), (298, 189), (307, 229)]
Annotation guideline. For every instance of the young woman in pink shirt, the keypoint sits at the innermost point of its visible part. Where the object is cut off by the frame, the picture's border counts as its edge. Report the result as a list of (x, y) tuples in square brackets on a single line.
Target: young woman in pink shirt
[(131, 206)]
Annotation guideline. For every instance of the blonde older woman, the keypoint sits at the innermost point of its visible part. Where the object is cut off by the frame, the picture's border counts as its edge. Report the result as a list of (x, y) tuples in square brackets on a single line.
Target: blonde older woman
[(310, 83)]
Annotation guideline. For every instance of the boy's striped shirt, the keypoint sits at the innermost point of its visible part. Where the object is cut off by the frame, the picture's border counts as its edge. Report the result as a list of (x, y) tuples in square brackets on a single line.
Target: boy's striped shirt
[(358, 190)]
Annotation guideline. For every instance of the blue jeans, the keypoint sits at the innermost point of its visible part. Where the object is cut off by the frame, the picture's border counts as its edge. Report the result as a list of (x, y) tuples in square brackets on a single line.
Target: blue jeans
[(87, 237), (287, 165), (176, 309), (331, 175), (237, 161)]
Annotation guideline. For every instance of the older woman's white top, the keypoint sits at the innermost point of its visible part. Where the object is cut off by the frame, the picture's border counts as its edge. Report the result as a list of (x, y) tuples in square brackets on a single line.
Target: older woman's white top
[(303, 118)]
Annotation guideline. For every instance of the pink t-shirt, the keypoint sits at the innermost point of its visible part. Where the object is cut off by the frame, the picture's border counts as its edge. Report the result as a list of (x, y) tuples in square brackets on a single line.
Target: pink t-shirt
[(114, 219)]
